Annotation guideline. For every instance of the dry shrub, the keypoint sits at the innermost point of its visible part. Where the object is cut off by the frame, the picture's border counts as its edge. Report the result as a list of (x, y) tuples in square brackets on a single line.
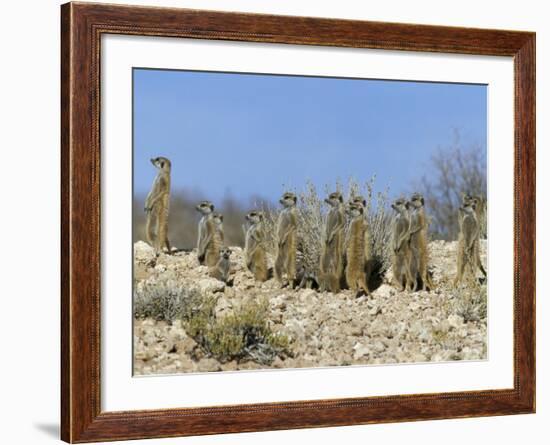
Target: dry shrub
[(165, 301), (243, 334), (471, 303)]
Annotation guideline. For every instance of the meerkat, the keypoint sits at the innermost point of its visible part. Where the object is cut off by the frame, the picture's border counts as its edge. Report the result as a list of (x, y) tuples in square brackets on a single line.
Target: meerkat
[(287, 228), (331, 266), (157, 206), (355, 250), (254, 246), (207, 229), (359, 200), (467, 254), (223, 266), (419, 243), (479, 209), (401, 266), (218, 221)]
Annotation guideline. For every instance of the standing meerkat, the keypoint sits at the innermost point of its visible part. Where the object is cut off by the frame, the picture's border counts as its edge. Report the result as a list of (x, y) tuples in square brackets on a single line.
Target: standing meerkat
[(222, 268), (359, 200), (157, 206), (467, 250), (401, 263), (205, 208), (332, 252), (355, 250), (218, 221), (479, 206), (419, 243), (254, 246), (287, 234)]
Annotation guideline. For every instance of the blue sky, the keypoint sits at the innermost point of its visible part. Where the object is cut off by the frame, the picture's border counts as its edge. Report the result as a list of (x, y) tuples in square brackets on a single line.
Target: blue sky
[(250, 134)]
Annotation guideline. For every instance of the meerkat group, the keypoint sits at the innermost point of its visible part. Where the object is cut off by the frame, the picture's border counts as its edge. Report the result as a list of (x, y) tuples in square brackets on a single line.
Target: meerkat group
[(346, 246), (410, 243)]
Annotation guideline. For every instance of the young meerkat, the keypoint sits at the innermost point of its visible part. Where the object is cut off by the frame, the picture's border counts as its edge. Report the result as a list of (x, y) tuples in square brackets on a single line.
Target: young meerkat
[(254, 246), (208, 239), (401, 263), (287, 234), (419, 243), (331, 264), (479, 209), (355, 250), (157, 206), (467, 250), (223, 266)]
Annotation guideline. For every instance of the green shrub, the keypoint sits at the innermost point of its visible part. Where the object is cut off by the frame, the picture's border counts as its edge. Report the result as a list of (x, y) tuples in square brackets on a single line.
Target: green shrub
[(245, 333)]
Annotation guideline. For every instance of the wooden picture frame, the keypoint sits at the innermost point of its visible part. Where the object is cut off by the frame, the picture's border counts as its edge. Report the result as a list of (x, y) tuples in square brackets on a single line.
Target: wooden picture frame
[(82, 25)]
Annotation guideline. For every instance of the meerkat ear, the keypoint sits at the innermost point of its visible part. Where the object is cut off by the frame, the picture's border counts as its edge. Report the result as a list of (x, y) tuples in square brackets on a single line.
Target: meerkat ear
[(422, 200)]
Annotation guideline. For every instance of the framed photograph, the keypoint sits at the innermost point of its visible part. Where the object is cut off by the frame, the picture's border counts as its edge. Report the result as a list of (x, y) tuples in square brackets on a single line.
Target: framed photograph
[(274, 222)]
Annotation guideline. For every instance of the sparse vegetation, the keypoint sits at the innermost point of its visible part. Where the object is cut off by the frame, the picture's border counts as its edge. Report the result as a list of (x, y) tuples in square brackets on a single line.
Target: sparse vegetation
[(471, 303), (244, 333), (166, 301)]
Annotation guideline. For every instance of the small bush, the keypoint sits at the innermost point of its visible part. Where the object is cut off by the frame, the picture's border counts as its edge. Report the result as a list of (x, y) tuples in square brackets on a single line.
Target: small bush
[(165, 301), (471, 303), (245, 333)]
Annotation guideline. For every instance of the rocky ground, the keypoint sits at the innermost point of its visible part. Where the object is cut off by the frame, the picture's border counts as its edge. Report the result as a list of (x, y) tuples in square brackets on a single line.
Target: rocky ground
[(325, 329)]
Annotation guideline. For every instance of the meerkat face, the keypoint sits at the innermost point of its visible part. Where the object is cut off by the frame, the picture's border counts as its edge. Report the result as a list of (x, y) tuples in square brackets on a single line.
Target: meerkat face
[(400, 205), (334, 199), (254, 217), (225, 252), (354, 210), (205, 207), (467, 198), (469, 207), (417, 200), (161, 163), (218, 217), (288, 200), (359, 200)]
